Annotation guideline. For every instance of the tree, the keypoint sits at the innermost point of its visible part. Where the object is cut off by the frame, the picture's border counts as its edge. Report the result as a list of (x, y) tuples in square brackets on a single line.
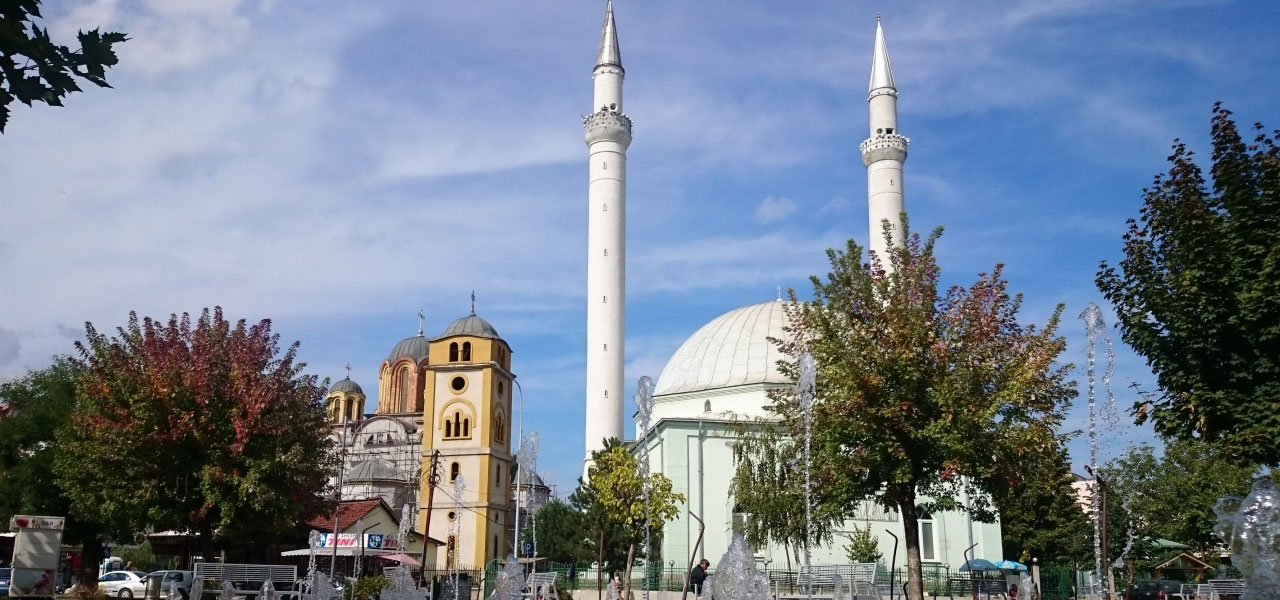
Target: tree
[(1197, 294), (614, 478), (1039, 516), (919, 394), (34, 69), (560, 532), (38, 406), (201, 426), (863, 546)]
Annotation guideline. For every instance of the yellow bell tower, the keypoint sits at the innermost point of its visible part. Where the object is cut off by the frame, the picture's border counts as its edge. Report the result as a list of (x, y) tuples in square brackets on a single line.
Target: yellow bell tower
[(345, 401), (467, 417)]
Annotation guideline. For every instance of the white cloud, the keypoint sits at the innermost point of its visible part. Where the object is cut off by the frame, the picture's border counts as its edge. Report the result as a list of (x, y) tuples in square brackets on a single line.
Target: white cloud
[(835, 205), (772, 210)]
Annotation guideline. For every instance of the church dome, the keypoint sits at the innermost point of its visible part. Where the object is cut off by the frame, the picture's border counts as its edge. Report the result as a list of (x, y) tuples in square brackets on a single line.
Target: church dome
[(372, 470), (528, 478), (732, 350), (415, 347), (346, 385), (471, 325)]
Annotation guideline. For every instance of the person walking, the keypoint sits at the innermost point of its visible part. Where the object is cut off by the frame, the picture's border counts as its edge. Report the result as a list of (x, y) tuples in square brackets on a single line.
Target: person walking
[(698, 576)]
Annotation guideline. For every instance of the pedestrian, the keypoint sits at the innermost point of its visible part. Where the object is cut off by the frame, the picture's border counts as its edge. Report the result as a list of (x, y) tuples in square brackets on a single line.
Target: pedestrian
[(698, 576), (1013, 591), (128, 566)]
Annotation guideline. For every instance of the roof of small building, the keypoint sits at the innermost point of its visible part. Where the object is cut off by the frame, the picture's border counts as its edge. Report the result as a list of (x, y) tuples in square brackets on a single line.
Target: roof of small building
[(529, 478), (349, 511), (471, 325)]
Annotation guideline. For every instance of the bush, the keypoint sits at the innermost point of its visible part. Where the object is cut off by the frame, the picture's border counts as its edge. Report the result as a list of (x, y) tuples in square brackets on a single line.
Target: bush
[(365, 588)]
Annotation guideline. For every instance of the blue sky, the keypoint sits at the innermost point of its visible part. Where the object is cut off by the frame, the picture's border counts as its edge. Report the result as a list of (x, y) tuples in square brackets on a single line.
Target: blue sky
[(337, 166)]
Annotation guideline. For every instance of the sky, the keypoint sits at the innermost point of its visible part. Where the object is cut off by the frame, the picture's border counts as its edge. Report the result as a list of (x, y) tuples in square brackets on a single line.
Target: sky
[(337, 167)]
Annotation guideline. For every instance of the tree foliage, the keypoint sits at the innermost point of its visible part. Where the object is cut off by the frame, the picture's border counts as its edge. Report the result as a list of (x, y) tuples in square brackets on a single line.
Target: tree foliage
[(614, 477), (35, 69), (36, 407), (1197, 294), (864, 546), (561, 533), (201, 426), (920, 390), (1039, 516)]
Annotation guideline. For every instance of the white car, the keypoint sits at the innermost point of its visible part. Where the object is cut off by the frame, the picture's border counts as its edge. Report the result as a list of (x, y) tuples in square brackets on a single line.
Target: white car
[(122, 584)]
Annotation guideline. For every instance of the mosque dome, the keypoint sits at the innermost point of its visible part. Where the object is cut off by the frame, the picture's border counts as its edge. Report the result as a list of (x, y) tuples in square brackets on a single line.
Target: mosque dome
[(732, 350), (372, 470), (346, 385), (415, 348), (471, 325)]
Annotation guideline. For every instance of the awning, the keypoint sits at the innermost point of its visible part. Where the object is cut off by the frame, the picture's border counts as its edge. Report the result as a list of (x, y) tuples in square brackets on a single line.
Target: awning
[(345, 551)]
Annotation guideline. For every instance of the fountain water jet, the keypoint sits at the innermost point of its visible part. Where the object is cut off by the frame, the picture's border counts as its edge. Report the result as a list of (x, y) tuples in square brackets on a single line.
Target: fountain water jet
[(805, 389), (1094, 327), (644, 404), (1251, 528), (736, 577)]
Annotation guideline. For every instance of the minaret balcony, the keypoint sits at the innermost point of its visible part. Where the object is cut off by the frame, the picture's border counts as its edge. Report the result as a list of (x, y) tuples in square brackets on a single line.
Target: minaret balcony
[(607, 125), (884, 146)]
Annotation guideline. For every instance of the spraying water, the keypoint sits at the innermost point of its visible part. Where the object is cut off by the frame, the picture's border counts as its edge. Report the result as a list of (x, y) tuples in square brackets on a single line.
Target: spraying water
[(736, 577), (1251, 529), (808, 375), (526, 460), (406, 523), (644, 404), (455, 529), (1094, 326)]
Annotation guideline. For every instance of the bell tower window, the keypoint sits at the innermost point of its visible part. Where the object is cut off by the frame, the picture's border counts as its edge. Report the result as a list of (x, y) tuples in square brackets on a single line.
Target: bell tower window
[(466, 351), (454, 470), (453, 352)]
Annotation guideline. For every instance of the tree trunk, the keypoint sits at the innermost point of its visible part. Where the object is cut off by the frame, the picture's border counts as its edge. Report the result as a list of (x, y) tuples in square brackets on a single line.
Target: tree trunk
[(87, 574), (600, 567), (206, 543), (911, 539), (626, 582)]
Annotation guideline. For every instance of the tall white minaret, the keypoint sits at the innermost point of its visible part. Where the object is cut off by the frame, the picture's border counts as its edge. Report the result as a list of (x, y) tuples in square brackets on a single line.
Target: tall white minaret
[(608, 133), (883, 152)]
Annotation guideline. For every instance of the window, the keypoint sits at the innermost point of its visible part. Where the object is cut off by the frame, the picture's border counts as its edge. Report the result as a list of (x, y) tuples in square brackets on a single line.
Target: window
[(927, 547), (404, 390), (458, 383), (453, 352), (450, 552), (448, 429), (454, 470), (497, 476), (458, 427), (466, 428), (499, 429), (501, 389), (706, 406), (466, 351), (452, 515)]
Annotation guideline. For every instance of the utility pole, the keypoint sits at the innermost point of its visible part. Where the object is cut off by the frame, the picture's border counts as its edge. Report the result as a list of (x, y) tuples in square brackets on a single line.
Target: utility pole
[(1104, 539), (337, 511), (433, 479)]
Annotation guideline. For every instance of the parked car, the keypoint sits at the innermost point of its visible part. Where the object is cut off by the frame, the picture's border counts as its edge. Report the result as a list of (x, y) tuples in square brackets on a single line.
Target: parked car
[(1155, 589), (123, 584), (174, 579), (4, 580)]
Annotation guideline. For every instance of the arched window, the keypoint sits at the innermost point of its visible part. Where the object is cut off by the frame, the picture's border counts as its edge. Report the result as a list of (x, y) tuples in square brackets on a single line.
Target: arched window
[(454, 470), (451, 552), (448, 429), (404, 390), (466, 351), (706, 406), (466, 428), (453, 352), (498, 429), (928, 549)]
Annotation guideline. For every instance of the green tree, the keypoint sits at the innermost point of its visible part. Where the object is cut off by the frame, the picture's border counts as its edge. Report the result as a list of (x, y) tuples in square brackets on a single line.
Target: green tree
[(561, 533), (1039, 516), (34, 69), (919, 393), (204, 426), (864, 546), (1197, 294), (38, 405), (614, 478)]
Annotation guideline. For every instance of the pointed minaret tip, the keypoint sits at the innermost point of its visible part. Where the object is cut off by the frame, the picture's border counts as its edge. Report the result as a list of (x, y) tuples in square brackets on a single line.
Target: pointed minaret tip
[(881, 68), (609, 54)]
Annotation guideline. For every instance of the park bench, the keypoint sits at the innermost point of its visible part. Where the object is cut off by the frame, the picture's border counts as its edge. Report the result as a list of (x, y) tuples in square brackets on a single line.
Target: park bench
[(542, 586), (246, 579), (1194, 591), (1226, 589), (967, 588), (859, 578)]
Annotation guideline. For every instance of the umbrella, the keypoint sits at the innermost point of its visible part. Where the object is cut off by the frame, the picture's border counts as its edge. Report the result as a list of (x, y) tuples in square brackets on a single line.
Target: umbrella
[(1010, 565), (403, 558), (978, 564)]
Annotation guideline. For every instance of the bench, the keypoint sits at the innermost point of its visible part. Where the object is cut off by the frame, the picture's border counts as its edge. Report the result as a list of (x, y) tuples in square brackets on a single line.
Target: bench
[(246, 580), (1194, 591), (968, 588), (542, 586), (860, 579), (1226, 589)]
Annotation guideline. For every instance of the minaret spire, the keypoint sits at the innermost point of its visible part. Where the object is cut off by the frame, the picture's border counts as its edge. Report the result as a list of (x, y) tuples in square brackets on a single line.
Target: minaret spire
[(608, 135), (883, 153), (609, 53), (881, 68)]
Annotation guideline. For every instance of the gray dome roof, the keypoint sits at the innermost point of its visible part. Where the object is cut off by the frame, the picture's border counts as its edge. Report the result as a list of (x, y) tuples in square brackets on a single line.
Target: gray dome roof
[(528, 478), (346, 385), (372, 469), (415, 347), (473, 326)]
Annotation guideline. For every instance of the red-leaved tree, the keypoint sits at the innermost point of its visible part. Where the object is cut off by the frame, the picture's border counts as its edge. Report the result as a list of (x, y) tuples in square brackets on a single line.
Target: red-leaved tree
[(204, 427)]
